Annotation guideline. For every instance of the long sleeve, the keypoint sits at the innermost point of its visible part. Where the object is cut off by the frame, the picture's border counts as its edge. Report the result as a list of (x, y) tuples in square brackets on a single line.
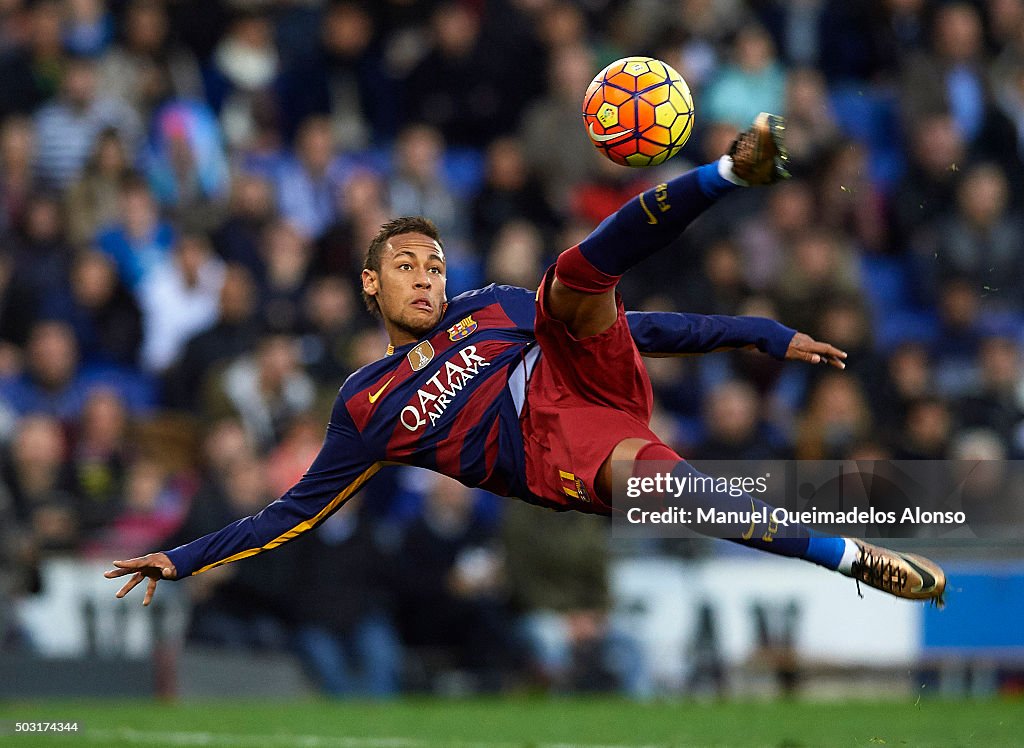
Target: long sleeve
[(677, 333), (339, 470)]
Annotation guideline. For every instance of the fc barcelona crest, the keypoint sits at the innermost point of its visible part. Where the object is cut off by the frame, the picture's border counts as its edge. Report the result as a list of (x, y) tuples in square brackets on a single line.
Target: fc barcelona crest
[(464, 328), (421, 355)]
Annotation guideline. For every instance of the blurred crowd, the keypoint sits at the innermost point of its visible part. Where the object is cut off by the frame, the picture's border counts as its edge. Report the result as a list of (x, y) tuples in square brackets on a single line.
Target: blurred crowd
[(187, 188)]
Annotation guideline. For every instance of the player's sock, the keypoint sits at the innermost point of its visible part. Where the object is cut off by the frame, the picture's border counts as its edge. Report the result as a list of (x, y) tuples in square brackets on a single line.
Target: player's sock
[(653, 219), (794, 540)]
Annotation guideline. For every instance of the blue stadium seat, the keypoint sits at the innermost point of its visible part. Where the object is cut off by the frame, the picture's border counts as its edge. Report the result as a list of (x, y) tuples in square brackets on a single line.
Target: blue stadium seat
[(871, 117), (887, 283)]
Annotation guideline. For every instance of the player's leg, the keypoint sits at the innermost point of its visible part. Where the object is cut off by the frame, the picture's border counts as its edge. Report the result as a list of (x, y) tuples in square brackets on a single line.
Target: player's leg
[(900, 574), (582, 295)]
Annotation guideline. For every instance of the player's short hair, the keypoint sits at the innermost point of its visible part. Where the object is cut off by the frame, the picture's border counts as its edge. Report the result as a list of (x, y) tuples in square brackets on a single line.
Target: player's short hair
[(395, 227)]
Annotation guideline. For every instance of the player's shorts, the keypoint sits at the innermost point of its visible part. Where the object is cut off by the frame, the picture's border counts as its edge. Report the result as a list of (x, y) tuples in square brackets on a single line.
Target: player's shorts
[(584, 397)]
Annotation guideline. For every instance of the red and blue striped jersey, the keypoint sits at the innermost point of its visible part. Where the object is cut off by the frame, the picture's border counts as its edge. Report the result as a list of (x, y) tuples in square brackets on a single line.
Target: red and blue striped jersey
[(449, 402)]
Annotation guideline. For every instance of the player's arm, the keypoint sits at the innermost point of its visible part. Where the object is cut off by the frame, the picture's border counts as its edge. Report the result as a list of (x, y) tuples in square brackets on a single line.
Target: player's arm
[(676, 334), (339, 470)]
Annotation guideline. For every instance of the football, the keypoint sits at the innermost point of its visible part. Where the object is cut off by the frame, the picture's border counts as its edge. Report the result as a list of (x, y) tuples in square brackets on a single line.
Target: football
[(638, 111)]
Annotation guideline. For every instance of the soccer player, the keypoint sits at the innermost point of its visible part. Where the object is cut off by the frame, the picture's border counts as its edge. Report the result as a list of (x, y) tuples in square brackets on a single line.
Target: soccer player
[(535, 394)]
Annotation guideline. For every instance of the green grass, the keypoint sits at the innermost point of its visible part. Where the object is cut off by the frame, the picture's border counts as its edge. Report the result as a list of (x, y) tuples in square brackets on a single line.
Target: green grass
[(516, 723)]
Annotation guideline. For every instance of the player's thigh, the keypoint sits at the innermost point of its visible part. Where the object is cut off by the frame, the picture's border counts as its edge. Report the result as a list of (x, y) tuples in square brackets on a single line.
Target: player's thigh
[(584, 314)]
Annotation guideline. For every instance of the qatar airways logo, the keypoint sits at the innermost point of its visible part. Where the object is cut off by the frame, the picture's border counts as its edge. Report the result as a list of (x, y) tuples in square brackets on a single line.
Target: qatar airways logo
[(440, 390)]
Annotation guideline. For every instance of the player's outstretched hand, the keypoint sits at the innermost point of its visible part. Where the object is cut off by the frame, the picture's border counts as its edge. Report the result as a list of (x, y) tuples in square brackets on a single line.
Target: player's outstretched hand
[(154, 567), (805, 348)]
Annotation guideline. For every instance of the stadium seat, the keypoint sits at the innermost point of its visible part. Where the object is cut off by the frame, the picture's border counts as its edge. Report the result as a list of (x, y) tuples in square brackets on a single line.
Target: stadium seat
[(871, 117)]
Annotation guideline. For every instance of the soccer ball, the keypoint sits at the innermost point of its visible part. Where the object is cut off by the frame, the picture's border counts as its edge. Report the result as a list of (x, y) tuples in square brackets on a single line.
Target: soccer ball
[(638, 111)]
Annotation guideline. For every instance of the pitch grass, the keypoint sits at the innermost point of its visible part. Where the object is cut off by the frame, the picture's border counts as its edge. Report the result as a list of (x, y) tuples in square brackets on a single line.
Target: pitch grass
[(520, 723)]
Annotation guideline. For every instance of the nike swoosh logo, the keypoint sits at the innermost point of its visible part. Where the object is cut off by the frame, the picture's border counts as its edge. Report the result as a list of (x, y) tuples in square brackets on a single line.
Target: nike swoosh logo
[(609, 136), (927, 580), (378, 393)]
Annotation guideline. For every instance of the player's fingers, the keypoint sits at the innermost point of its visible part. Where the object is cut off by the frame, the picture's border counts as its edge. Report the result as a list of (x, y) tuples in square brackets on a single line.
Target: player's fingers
[(130, 584), (826, 349), (150, 591), (115, 573), (833, 361)]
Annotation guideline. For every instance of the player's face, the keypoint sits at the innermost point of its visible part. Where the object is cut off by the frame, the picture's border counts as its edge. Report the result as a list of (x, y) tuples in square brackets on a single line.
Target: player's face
[(410, 287)]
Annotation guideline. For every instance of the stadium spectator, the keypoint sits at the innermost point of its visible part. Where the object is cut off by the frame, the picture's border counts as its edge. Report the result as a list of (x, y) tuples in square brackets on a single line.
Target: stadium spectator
[(102, 312), (146, 67), (900, 29), (449, 577), (752, 82), (88, 28), (348, 79), (418, 185), (155, 504), (286, 256), (140, 241), (339, 250), (766, 237), (811, 128), (344, 633), (848, 321), (849, 203), (244, 67), (92, 201), (457, 85), (557, 568), (927, 430), (35, 470), (100, 457), (516, 255), (721, 287), (955, 349), (67, 127), (331, 320), (52, 383), (265, 389), (31, 69), (243, 612), (510, 191), (950, 77), (179, 300), (995, 403), (17, 175), (733, 427), (561, 164), (250, 209), (820, 266), (186, 164), (981, 242), (235, 333), (927, 192), (41, 254), (308, 183), (836, 418)]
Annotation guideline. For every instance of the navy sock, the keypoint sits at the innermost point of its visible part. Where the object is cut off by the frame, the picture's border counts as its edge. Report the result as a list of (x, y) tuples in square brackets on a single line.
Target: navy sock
[(653, 219)]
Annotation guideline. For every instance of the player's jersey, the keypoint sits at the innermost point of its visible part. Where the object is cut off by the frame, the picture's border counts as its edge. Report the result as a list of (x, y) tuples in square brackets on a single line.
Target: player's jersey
[(444, 402), (449, 402)]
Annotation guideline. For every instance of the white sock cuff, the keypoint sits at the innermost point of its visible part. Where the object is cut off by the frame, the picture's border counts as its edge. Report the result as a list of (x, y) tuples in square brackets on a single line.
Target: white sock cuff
[(725, 172), (849, 556)]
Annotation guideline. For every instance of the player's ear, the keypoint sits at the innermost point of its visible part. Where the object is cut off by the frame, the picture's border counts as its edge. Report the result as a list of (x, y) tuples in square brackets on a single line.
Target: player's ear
[(371, 282)]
